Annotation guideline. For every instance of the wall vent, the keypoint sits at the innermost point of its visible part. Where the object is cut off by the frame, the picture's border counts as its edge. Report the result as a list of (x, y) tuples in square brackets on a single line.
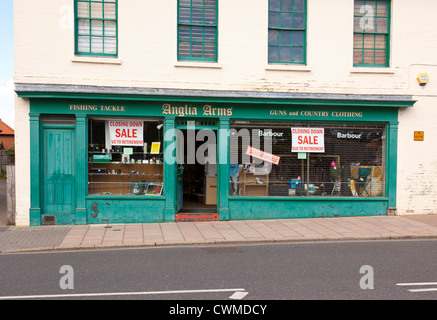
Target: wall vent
[(49, 220), (391, 212)]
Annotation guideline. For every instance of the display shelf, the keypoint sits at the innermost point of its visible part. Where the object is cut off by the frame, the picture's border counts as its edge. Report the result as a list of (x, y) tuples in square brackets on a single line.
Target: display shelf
[(122, 177), (254, 184)]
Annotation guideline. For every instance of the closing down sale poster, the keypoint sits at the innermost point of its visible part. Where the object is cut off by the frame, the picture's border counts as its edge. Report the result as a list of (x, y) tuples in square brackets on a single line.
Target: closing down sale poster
[(308, 140)]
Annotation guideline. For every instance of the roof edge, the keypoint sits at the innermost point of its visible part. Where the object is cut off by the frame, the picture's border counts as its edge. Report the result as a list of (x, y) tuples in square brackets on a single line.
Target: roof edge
[(133, 93)]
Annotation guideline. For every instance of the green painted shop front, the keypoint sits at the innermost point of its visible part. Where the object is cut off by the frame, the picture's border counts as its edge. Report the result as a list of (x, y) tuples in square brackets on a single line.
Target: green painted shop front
[(71, 177)]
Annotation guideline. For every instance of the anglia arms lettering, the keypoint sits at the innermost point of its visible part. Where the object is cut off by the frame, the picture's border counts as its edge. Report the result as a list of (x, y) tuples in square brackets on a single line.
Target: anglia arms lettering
[(187, 110), (83, 107)]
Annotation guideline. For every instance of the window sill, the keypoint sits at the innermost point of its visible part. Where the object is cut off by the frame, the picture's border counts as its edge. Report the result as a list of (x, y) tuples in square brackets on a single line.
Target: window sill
[(98, 60), (192, 64), (123, 197), (288, 67), (375, 70), (305, 198)]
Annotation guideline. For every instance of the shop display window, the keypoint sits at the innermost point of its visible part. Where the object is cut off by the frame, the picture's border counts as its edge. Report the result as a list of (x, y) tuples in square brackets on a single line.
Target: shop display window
[(349, 160), (125, 157)]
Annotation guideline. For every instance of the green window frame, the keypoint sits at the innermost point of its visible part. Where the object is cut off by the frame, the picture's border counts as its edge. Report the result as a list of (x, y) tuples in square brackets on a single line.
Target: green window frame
[(372, 21), (96, 27), (287, 32), (197, 30)]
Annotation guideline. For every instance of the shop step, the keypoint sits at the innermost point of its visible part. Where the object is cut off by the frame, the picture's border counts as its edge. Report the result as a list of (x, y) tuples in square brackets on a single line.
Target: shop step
[(195, 217)]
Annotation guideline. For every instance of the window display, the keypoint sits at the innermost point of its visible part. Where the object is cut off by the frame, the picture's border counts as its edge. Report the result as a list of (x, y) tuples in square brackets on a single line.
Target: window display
[(125, 157), (307, 159)]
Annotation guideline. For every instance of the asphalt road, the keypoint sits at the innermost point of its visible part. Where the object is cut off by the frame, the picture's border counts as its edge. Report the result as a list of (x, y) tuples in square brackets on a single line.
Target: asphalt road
[(319, 270)]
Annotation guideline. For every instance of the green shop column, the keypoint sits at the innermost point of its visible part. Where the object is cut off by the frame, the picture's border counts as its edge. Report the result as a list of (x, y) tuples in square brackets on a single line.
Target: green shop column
[(392, 167), (223, 168), (81, 168), (35, 196), (170, 169)]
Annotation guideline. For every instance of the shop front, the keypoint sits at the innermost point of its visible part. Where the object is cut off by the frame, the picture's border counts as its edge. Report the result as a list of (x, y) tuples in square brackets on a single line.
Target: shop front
[(128, 159)]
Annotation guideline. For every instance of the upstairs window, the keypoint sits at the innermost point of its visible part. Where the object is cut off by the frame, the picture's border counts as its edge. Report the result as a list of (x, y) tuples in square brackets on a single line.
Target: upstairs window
[(287, 31), (96, 28), (371, 33), (197, 30)]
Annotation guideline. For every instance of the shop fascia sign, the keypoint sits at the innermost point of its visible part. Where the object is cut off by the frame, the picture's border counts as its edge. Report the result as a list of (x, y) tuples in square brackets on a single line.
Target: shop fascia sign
[(188, 110), (308, 140)]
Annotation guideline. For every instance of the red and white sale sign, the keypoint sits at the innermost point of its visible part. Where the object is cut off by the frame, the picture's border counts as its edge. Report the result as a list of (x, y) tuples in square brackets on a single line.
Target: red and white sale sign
[(126, 133), (265, 156), (308, 140)]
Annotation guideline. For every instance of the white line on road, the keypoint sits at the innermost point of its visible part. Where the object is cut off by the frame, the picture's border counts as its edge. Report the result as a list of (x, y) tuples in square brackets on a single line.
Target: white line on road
[(239, 295), (423, 290), (417, 284), (117, 294)]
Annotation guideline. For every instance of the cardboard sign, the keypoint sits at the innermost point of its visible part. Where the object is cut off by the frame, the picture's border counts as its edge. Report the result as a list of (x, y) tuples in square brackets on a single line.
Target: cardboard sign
[(302, 155), (156, 147), (308, 140), (265, 156), (126, 133)]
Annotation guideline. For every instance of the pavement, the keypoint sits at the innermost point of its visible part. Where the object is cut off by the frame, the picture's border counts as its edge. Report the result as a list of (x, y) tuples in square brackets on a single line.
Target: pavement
[(46, 238)]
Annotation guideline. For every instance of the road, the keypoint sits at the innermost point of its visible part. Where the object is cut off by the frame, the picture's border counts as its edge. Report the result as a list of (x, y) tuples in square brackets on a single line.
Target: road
[(282, 271)]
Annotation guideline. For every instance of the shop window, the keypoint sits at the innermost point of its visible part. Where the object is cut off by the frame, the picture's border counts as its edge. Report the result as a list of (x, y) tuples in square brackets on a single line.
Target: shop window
[(197, 30), (349, 160), (287, 31), (96, 27), (125, 157), (371, 33)]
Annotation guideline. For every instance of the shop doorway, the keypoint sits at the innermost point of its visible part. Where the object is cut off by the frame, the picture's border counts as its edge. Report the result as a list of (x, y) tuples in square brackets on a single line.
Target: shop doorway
[(197, 191)]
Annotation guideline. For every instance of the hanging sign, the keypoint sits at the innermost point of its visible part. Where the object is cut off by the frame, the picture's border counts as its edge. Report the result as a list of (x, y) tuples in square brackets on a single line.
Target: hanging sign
[(308, 140), (126, 133), (265, 156)]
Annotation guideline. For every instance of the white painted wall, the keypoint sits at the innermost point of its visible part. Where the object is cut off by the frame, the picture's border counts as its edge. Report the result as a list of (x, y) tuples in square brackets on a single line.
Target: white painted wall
[(148, 50), (22, 162)]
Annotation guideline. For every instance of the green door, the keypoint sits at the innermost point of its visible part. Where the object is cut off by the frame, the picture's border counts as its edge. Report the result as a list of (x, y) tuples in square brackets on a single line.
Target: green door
[(58, 172)]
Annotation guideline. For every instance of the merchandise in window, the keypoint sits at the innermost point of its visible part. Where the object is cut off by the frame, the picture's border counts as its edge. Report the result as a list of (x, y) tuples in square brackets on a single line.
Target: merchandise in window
[(96, 27), (125, 157), (338, 160), (371, 33)]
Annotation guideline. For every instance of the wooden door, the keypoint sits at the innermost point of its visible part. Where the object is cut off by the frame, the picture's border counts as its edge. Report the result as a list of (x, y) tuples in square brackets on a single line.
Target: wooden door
[(58, 172)]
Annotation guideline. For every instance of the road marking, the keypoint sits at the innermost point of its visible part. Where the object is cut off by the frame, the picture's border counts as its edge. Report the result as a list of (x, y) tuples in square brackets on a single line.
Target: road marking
[(239, 295), (117, 294), (417, 284), (423, 290)]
